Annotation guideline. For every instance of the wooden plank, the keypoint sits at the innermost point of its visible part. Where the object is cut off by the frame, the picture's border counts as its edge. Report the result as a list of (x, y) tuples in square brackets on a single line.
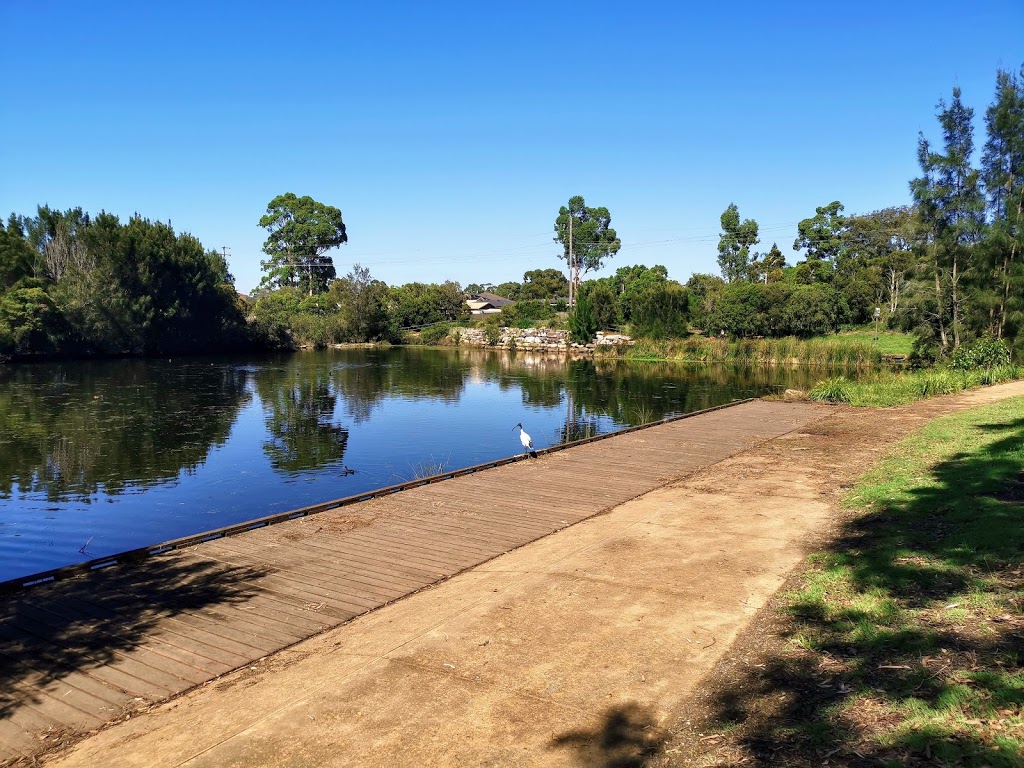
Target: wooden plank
[(307, 557), (162, 670)]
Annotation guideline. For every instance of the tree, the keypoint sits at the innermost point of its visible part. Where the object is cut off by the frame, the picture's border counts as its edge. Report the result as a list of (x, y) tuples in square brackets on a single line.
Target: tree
[(949, 198), (582, 323), (705, 291), (737, 310), (301, 231), (543, 285), (417, 304), (878, 250), (363, 304), (605, 307), (734, 244), (768, 267), (821, 237), (661, 311), (587, 239), (1003, 176)]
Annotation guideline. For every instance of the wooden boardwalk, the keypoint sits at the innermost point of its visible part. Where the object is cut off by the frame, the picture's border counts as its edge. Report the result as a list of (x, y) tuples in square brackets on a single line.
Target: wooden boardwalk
[(79, 653)]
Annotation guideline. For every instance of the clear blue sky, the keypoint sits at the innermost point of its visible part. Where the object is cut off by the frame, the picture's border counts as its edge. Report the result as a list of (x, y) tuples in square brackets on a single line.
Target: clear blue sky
[(449, 133)]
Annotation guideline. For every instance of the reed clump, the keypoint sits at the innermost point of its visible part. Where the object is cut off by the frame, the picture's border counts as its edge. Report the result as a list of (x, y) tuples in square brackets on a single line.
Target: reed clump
[(889, 388), (788, 350)]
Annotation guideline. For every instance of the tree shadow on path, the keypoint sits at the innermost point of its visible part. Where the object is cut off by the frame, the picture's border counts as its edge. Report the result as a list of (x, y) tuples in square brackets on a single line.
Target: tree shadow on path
[(626, 737), (75, 632), (905, 647)]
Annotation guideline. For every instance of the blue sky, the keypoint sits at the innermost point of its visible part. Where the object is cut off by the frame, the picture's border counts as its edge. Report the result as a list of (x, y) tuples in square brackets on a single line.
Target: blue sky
[(449, 133)]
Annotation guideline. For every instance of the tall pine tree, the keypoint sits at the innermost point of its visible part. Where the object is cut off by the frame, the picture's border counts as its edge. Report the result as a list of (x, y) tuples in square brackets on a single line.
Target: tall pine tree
[(1003, 176), (949, 198)]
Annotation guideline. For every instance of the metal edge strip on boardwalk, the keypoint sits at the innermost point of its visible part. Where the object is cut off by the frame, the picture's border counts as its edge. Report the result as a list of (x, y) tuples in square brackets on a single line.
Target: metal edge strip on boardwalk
[(141, 553)]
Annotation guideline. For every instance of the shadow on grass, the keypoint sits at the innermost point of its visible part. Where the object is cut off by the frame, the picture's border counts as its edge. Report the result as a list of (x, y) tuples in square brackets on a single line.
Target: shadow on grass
[(626, 737), (916, 610), (86, 634)]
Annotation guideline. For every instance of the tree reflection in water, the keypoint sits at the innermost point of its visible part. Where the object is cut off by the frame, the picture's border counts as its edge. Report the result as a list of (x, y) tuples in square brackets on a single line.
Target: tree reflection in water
[(299, 405), (72, 430)]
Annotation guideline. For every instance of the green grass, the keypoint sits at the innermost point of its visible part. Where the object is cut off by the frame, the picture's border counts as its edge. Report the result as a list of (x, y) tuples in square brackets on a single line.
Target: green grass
[(888, 388), (888, 343), (907, 635)]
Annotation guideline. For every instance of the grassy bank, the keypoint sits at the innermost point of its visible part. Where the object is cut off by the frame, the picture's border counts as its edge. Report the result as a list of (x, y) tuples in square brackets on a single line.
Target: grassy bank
[(888, 388), (905, 638), (833, 351), (887, 342)]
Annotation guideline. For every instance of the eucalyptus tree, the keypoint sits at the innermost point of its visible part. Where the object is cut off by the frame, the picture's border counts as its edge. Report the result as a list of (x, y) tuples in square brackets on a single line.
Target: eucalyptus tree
[(821, 237), (734, 244), (301, 231), (949, 199), (587, 239), (879, 250)]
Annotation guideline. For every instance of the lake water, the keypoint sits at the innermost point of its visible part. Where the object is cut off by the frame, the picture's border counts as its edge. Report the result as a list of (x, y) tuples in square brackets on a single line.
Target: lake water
[(100, 457)]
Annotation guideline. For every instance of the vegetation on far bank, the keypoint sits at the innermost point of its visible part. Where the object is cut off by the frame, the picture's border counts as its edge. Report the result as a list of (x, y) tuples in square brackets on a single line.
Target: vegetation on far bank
[(903, 640), (948, 270)]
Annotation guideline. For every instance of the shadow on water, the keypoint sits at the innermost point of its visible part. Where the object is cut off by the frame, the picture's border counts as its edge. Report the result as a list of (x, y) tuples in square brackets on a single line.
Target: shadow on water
[(626, 736), (51, 632), (889, 646)]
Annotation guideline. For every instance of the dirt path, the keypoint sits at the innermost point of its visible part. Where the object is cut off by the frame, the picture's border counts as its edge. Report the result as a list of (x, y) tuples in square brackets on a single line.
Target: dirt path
[(578, 648)]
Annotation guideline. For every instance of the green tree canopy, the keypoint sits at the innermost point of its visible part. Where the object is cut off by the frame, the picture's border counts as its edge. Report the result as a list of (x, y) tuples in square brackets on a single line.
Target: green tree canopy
[(363, 304), (417, 304), (543, 285), (734, 244), (301, 231), (821, 239)]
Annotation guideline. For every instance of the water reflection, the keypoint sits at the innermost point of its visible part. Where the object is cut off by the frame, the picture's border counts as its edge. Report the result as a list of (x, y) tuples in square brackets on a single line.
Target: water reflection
[(73, 431), (173, 448), (299, 404)]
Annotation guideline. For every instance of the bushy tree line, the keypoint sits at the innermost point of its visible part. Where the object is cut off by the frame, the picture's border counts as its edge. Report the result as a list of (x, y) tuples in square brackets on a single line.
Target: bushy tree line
[(969, 268), (74, 284), (949, 267), (355, 308)]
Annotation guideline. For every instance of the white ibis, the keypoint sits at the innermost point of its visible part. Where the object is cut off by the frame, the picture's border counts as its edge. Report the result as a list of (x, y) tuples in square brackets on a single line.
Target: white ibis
[(526, 440)]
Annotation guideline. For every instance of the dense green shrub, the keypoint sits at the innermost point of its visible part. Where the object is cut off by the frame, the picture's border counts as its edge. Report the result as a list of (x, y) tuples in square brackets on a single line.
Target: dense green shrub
[(661, 311), (985, 352), (527, 314), (433, 334), (582, 324)]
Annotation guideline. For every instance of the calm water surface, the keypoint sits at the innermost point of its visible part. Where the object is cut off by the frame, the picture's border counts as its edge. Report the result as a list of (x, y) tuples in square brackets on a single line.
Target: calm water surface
[(100, 457)]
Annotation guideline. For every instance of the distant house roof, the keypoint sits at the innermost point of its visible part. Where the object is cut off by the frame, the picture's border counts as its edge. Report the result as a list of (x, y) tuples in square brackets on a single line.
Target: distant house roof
[(485, 303), (493, 299)]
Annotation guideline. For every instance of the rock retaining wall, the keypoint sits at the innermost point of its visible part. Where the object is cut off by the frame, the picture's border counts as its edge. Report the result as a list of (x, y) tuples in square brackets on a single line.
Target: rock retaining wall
[(538, 339)]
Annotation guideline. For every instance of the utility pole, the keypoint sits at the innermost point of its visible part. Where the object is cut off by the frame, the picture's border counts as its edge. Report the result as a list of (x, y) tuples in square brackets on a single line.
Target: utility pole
[(225, 249), (572, 272)]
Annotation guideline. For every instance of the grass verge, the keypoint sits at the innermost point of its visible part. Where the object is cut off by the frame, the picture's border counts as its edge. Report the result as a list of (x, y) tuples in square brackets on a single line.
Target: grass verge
[(905, 640), (887, 342)]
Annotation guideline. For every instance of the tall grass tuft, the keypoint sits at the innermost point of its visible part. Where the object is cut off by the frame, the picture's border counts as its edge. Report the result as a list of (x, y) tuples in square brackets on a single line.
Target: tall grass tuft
[(886, 388), (834, 390)]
